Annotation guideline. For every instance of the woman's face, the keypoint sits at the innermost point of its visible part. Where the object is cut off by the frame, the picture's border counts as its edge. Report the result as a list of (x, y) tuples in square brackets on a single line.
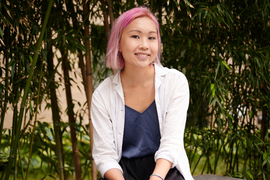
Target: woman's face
[(139, 42)]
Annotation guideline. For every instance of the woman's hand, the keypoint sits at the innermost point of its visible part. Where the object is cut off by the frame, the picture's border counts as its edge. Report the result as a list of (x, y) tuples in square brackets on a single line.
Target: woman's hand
[(162, 168), (114, 174)]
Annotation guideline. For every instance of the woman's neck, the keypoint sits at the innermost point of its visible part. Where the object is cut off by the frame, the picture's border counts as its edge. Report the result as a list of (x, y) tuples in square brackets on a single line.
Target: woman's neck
[(137, 76)]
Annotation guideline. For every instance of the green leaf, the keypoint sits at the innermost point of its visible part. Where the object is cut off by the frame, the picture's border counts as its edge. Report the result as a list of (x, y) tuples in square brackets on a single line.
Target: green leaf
[(188, 3), (226, 65), (189, 43), (212, 86), (30, 104), (213, 92), (250, 175), (264, 155), (31, 59), (1, 33)]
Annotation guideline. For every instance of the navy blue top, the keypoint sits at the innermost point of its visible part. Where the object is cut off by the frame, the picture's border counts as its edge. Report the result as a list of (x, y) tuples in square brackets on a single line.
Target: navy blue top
[(141, 133)]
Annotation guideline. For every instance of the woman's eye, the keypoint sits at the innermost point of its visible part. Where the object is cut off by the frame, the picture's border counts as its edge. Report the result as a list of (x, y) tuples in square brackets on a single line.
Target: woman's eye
[(152, 38), (135, 36)]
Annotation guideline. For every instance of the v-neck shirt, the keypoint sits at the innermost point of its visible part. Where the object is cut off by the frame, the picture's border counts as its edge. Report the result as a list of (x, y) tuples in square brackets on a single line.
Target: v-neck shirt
[(141, 132)]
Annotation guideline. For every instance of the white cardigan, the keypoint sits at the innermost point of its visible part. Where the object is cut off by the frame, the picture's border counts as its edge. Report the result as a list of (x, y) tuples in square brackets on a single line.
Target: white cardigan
[(108, 118)]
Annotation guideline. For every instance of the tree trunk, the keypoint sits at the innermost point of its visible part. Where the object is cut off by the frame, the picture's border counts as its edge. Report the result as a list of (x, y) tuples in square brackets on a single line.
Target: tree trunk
[(55, 116), (71, 118), (110, 12), (89, 83), (265, 115), (264, 125), (106, 21), (84, 74), (71, 9), (4, 108)]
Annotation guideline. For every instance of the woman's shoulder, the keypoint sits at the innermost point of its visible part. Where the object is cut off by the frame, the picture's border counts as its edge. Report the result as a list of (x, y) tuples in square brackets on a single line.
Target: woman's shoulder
[(171, 73), (107, 83)]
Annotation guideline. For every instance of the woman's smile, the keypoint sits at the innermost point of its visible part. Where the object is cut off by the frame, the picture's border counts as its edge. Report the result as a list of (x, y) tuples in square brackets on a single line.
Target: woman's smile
[(142, 55)]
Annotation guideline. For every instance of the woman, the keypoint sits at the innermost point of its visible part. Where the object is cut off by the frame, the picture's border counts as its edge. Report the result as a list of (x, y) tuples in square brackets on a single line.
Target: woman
[(139, 114)]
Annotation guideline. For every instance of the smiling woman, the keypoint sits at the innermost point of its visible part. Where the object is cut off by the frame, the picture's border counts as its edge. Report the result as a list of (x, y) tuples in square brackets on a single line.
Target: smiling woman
[(139, 114)]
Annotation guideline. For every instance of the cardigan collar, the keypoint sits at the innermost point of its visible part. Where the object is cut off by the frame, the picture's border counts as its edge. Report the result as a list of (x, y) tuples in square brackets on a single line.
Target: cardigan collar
[(160, 73)]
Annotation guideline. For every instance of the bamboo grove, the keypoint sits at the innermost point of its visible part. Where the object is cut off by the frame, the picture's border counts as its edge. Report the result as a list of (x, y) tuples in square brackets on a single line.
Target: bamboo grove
[(222, 46)]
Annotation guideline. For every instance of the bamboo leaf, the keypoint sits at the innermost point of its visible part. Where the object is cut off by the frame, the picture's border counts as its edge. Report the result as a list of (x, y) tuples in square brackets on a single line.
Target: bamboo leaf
[(212, 86), (31, 59), (1, 32), (188, 3), (226, 65), (250, 175), (264, 155)]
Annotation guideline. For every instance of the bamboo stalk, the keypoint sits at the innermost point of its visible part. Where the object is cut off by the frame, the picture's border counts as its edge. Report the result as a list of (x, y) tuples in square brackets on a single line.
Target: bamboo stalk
[(217, 156), (25, 95), (197, 164), (106, 22), (16, 168), (20, 158), (204, 165), (34, 127), (55, 115), (83, 71), (14, 120), (89, 86), (6, 55), (71, 118), (195, 151), (70, 7), (110, 12)]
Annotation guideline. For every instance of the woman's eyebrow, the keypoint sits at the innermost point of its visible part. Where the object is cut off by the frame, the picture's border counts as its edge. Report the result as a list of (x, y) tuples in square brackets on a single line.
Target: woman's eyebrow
[(150, 32), (153, 32)]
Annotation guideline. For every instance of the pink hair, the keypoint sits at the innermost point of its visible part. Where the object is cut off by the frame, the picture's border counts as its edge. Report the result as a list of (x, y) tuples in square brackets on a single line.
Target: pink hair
[(115, 59)]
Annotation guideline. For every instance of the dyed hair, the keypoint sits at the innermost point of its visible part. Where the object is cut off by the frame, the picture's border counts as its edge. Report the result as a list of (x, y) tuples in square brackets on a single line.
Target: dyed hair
[(115, 59)]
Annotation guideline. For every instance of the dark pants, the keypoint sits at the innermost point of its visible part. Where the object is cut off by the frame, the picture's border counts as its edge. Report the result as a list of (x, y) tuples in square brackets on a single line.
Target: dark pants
[(141, 169)]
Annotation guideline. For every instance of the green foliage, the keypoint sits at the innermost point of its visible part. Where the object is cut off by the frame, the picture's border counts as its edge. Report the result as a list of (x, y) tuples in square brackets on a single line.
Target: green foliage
[(223, 48), (44, 160), (239, 154)]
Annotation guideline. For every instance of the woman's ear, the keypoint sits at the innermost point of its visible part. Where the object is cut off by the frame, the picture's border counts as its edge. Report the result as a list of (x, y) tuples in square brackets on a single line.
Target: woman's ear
[(119, 47)]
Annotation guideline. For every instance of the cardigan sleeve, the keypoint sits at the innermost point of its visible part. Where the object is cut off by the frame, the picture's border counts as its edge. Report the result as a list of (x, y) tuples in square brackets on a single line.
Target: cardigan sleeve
[(175, 103), (104, 148)]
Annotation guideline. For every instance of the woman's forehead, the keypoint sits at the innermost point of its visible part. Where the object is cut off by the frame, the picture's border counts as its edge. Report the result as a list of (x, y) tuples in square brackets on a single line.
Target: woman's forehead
[(140, 25)]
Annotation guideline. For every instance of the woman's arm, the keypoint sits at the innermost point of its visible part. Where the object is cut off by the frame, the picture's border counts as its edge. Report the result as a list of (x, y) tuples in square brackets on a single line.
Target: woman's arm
[(174, 101), (174, 104), (162, 168), (104, 147), (114, 174)]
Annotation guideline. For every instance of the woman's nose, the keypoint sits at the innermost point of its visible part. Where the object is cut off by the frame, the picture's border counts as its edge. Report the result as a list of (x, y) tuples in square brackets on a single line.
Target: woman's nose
[(143, 45)]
